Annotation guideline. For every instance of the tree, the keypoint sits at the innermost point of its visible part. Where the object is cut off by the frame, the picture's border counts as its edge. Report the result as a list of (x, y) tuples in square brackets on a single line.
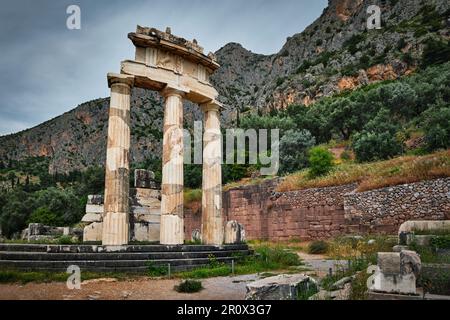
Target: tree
[(378, 140), (293, 150), (437, 127), (435, 52), (45, 216), (321, 162)]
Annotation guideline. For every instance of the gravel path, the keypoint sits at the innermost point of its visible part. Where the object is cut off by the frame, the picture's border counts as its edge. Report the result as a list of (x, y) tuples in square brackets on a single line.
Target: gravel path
[(223, 288)]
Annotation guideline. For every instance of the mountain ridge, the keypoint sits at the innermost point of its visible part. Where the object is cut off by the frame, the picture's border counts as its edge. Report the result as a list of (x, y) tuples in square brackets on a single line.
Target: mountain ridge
[(335, 53)]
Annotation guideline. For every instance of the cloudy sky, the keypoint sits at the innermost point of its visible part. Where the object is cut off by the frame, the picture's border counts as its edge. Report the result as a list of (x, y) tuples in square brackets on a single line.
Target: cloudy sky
[(46, 69)]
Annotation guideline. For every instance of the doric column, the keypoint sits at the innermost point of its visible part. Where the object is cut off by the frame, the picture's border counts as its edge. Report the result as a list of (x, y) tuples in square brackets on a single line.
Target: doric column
[(116, 217), (212, 220), (172, 226)]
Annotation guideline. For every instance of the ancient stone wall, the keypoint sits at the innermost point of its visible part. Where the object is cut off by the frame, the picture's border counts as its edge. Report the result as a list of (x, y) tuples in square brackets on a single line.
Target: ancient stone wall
[(328, 212), (308, 214), (384, 210)]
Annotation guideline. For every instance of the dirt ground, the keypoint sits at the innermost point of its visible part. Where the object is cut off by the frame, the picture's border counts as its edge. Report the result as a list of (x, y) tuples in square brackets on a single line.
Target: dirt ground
[(224, 288)]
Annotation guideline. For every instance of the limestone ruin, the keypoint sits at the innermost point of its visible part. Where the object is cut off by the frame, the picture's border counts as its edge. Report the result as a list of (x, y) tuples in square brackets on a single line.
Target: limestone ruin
[(178, 69)]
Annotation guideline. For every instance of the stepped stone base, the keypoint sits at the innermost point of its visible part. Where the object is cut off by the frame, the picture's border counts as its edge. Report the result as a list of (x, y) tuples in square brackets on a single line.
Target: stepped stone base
[(98, 258)]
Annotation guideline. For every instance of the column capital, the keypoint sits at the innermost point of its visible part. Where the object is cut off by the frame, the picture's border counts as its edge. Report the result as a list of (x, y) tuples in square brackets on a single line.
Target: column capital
[(114, 78), (211, 106), (173, 91)]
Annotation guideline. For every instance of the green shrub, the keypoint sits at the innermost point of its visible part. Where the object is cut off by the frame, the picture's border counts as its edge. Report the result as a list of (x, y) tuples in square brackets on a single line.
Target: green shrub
[(189, 286), (277, 256), (318, 247), (440, 242), (320, 162), (437, 127), (156, 270), (372, 146), (45, 216), (65, 240), (435, 52)]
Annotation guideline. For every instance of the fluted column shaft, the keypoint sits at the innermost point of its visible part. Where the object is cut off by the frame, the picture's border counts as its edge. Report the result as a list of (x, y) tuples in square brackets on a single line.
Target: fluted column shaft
[(116, 217), (212, 220), (172, 226)]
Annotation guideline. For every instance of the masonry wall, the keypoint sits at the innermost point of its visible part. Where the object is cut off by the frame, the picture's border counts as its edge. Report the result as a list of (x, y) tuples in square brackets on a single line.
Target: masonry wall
[(384, 210), (328, 212)]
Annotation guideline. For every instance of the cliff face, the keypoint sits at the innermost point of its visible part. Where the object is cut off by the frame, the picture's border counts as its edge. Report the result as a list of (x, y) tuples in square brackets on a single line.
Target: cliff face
[(333, 54)]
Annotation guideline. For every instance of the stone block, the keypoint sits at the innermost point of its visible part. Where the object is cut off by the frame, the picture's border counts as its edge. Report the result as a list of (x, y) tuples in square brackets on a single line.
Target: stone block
[(95, 199), (234, 232), (95, 208), (93, 232), (144, 179), (394, 283), (196, 235), (147, 218), (281, 287), (397, 272), (92, 217), (410, 263), (145, 232), (411, 226)]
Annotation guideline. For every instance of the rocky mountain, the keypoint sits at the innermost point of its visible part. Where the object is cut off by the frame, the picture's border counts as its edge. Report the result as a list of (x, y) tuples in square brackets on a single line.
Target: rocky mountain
[(334, 54)]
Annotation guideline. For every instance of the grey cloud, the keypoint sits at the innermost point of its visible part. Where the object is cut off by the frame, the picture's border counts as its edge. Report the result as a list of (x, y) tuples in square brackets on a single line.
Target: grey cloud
[(47, 69)]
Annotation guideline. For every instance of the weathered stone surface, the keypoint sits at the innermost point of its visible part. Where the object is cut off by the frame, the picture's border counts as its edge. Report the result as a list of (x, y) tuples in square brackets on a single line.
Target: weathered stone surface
[(410, 263), (405, 206), (389, 263), (196, 236), (117, 185), (95, 208), (92, 217), (38, 231), (324, 213), (95, 199), (397, 272), (93, 232), (340, 294), (281, 287), (399, 248), (339, 285), (144, 231), (144, 179), (234, 232), (212, 220)]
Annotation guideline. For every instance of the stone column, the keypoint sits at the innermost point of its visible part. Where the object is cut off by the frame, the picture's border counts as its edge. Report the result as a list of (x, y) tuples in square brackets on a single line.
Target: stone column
[(172, 226), (116, 215), (212, 220)]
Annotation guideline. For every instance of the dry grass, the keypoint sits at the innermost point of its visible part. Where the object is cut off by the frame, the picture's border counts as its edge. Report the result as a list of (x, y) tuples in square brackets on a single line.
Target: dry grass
[(246, 182), (193, 199), (370, 176)]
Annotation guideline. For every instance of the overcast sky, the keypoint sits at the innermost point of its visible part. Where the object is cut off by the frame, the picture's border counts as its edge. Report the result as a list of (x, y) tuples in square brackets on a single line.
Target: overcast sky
[(46, 69)]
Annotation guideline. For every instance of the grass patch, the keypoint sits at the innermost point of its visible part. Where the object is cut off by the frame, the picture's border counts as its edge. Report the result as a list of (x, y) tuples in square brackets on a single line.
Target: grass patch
[(189, 286), (318, 247), (266, 259), (192, 195), (353, 248), (437, 232), (370, 176)]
